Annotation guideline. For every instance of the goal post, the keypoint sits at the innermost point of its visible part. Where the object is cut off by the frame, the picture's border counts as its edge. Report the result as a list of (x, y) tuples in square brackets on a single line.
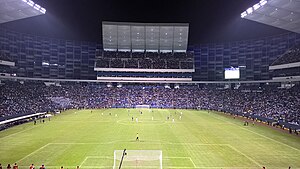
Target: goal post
[(150, 159), (142, 106)]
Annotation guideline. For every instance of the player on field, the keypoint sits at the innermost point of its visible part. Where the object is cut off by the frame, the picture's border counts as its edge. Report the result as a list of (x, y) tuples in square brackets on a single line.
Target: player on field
[(137, 137), (15, 166), (8, 166), (43, 167), (77, 167), (0, 166)]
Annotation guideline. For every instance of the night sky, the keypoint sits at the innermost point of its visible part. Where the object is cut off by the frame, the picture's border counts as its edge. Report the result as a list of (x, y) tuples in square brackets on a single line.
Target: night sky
[(210, 20)]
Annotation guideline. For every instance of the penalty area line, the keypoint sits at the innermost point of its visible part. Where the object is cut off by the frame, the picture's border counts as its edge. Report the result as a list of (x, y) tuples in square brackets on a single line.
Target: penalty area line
[(94, 157), (33, 152), (193, 162), (83, 162)]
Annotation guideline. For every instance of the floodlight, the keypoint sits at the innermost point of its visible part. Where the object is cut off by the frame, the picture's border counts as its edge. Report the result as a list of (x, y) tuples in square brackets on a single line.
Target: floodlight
[(256, 6), (24, 0), (249, 10), (31, 3), (243, 14), (43, 10), (37, 7), (263, 2)]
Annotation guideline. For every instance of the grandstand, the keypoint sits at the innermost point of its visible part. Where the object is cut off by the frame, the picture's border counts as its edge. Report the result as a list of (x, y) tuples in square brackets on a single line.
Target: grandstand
[(288, 65), (147, 96)]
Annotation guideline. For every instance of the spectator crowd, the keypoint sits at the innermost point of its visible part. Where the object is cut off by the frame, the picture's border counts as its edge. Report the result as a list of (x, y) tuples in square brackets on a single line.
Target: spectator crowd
[(290, 56), (32, 97), (148, 60)]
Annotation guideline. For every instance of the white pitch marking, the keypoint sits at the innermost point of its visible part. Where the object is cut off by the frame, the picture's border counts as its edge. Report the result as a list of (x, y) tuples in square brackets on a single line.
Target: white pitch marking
[(18, 132), (249, 158), (108, 157), (175, 157), (259, 134), (83, 161), (94, 167), (151, 142), (34, 152), (193, 162)]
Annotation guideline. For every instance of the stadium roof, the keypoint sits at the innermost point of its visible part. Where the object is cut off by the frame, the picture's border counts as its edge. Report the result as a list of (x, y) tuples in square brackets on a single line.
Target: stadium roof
[(153, 37), (11, 10), (284, 14)]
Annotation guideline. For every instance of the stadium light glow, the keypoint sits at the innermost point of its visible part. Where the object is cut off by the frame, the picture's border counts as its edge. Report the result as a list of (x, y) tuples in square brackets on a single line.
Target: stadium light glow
[(35, 6), (249, 10), (43, 10), (243, 14), (256, 6), (30, 3), (263, 2)]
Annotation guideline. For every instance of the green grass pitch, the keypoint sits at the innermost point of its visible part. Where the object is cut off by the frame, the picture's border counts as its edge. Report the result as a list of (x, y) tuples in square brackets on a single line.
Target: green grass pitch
[(199, 140)]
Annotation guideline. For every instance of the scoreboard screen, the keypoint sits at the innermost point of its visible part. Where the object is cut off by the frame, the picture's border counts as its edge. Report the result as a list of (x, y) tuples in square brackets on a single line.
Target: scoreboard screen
[(232, 73)]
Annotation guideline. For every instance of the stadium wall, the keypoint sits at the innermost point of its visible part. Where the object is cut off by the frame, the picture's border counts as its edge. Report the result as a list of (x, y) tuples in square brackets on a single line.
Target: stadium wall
[(42, 57), (256, 55)]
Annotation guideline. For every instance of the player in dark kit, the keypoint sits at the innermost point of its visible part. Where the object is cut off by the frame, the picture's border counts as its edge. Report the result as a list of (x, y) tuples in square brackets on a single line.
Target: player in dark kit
[(137, 137)]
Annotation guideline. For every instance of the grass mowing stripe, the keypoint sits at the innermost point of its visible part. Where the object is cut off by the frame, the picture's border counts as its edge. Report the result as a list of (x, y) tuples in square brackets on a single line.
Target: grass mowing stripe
[(34, 152), (193, 162), (22, 131), (249, 158), (259, 134), (201, 138)]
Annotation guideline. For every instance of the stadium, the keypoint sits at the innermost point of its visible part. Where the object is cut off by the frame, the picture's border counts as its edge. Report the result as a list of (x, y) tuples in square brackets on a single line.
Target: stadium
[(154, 84)]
